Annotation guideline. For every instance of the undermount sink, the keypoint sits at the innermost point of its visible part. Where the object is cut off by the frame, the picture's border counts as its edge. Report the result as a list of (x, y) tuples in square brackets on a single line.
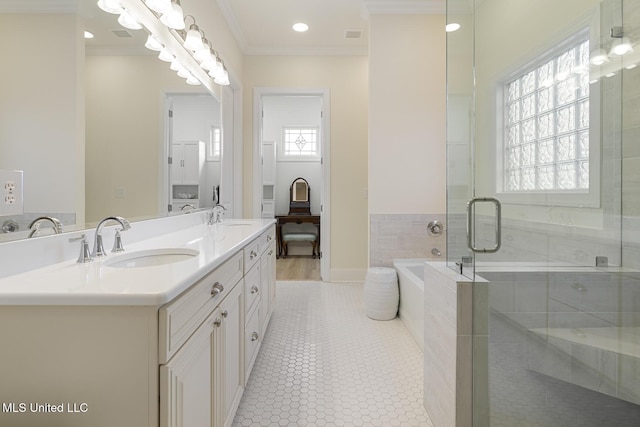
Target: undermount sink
[(151, 257)]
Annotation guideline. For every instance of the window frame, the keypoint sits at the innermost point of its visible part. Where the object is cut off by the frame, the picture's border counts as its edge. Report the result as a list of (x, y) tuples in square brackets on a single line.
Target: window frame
[(213, 153), (300, 158), (574, 197)]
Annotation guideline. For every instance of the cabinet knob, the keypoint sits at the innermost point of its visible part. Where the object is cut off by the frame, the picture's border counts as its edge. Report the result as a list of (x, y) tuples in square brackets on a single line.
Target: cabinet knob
[(270, 252), (225, 314), (216, 289), (217, 322), (254, 336), (269, 238), (253, 254), (254, 289)]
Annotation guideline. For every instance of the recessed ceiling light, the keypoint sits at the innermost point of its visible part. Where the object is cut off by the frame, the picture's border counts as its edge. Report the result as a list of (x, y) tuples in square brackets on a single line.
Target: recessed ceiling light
[(88, 35), (454, 26), (300, 27)]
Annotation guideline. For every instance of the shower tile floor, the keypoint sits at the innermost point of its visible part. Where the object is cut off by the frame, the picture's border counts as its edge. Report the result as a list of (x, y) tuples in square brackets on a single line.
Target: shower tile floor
[(323, 362)]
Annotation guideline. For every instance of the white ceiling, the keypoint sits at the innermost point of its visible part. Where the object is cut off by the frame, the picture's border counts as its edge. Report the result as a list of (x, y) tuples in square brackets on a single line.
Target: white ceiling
[(261, 27)]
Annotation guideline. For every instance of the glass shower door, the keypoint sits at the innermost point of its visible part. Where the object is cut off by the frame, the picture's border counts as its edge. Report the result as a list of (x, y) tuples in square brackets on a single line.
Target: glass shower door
[(540, 96)]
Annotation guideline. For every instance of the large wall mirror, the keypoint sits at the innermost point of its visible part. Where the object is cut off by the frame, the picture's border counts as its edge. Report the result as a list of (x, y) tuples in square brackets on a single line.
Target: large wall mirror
[(87, 120)]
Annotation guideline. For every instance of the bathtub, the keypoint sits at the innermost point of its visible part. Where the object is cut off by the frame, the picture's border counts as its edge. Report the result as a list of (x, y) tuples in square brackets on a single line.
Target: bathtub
[(411, 284)]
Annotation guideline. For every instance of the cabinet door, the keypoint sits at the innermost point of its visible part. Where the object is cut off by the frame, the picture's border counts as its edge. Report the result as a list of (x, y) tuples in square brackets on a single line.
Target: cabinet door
[(232, 312), (267, 284), (191, 163), (176, 163), (187, 380)]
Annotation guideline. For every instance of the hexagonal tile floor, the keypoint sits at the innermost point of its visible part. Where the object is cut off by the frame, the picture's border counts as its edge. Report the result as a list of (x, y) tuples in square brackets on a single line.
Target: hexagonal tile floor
[(323, 362)]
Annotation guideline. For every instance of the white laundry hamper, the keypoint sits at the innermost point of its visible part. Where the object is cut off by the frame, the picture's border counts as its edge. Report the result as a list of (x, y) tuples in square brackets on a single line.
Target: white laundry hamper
[(381, 294)]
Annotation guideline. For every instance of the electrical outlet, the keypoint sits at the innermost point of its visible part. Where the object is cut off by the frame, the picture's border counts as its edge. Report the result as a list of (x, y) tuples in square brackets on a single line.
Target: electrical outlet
[(11, 198)]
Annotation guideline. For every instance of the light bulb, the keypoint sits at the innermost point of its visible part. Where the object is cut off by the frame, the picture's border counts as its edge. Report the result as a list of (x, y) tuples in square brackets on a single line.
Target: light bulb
[(159, 6), (193, 40), (153, 44), (191, 80), (128, 21), (223, 78), (173, 17), (166, 56), (110, 6)]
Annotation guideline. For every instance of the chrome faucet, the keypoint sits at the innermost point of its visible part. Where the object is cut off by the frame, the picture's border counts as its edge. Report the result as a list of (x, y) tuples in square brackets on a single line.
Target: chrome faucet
[(35, 225), (216, 214), (98, 248)]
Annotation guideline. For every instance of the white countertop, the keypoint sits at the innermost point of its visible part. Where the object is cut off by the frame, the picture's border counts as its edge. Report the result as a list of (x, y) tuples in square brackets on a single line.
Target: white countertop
[(94, 283)]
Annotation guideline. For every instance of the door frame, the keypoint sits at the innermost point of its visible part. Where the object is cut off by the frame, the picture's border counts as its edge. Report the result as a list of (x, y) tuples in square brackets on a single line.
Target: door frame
[(325, 134)]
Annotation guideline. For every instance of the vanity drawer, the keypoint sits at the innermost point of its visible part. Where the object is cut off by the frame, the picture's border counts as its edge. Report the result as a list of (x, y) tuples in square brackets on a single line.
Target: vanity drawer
[(252, 289), (252, 340), (180, 318), (265, 239), (251, 254)]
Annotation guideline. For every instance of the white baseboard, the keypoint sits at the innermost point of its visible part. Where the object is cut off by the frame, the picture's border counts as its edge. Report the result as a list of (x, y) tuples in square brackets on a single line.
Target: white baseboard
[(347, 275)]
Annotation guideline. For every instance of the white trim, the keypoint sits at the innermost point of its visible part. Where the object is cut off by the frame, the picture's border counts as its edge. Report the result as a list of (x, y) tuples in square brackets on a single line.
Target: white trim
[(38, 6), (325, 144), (282, 157), (234, 25), (402, 7), (347, 275)]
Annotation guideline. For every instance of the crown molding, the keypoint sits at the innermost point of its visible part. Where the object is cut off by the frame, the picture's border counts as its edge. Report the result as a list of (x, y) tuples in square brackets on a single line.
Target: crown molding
[(38, 6), (234, 26), (306, 51), (402, 7)]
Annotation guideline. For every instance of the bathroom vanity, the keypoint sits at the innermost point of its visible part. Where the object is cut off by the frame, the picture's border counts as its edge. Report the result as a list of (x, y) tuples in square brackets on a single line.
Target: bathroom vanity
[(164, 335)]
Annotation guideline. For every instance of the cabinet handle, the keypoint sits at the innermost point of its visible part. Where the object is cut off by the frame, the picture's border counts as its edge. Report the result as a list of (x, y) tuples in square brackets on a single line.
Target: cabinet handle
[(225, 314), (217, 322), (254, 336), (253, 254), (216, 289), (270, 252), (254, 289)]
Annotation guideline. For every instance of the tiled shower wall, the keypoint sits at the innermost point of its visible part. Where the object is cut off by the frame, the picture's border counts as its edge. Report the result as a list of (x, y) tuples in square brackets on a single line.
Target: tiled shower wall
[(393, 236)]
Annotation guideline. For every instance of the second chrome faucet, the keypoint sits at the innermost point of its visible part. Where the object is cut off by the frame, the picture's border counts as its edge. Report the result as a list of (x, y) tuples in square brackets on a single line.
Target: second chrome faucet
[(98, 248)]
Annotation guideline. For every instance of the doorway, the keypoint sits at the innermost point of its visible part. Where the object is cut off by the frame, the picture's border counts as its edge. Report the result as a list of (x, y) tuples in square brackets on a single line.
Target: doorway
[(291, 142)]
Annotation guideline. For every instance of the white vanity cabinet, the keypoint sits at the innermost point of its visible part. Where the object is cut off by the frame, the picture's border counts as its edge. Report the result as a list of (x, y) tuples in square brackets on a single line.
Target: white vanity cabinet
[(132, 359)]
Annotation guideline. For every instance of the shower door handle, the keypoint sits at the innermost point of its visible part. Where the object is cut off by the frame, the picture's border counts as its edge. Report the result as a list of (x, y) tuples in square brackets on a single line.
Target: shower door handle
[(470, 225)]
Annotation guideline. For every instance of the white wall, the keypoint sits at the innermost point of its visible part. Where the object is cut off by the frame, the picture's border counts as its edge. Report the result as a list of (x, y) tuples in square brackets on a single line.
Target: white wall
[(407, 114), (282, 111), (42, 109)]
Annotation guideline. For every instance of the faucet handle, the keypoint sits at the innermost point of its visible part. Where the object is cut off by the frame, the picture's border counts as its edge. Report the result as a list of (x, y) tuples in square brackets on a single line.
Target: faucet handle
[(117, 243), (85, 253)]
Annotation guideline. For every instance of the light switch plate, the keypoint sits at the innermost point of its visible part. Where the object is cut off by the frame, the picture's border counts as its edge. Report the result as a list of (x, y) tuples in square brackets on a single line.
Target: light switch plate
[(11, 198)]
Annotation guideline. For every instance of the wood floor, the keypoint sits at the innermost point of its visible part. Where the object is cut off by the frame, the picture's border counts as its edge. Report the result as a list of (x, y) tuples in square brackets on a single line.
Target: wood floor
[(298, 268)]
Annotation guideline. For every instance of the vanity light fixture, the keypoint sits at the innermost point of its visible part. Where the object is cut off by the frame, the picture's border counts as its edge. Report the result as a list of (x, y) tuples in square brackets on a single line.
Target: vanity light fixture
[(173, 17), (300, 27), (200, 62)]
